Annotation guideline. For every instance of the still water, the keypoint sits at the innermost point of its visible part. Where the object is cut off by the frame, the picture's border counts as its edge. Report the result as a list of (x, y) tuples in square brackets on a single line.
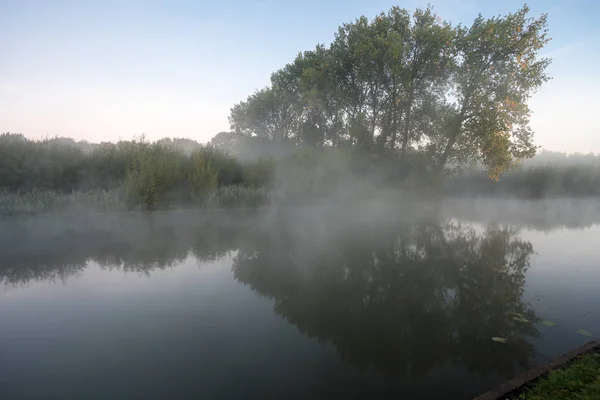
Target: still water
[(299, 303)]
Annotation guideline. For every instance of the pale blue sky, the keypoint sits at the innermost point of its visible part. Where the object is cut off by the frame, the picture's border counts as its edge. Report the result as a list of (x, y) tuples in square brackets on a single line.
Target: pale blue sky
[(104, 70)]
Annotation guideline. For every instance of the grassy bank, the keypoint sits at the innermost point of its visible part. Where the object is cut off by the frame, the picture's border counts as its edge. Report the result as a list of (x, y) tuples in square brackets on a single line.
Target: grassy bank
[(115, 200), (579, 381), (61, 175), (51, 201)]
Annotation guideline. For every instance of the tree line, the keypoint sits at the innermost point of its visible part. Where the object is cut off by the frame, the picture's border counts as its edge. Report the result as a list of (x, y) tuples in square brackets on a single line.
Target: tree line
[(535, 181), (413, 85), (142, 174), (60, 174)]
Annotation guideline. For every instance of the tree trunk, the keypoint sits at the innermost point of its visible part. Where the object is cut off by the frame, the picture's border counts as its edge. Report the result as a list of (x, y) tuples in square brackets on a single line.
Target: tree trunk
[(460, 118), (406, 133), (394, 129), (444, 158)]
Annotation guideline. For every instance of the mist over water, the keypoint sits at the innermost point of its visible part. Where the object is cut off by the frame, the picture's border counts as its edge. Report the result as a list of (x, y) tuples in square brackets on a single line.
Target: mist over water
[(378, 221), (364, 300)]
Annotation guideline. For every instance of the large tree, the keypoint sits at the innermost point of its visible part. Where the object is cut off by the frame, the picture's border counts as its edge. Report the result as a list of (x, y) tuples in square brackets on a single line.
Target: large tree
[(411, 84), (497, 70)]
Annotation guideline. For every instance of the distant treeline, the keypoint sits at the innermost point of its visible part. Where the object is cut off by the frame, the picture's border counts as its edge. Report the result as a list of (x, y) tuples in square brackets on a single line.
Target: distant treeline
[(548, 174), (535, 181), (60, 174)]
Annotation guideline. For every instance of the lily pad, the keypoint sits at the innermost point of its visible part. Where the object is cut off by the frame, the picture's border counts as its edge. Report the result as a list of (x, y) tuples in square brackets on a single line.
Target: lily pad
[(549, 323), (499, 339), (584, 332)]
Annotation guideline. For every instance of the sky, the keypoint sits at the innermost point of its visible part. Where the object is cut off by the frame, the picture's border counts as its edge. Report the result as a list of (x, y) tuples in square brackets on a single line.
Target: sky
[(116, 69)]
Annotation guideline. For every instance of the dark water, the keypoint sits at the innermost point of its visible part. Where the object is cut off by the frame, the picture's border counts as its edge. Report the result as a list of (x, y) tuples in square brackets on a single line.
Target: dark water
[(299, 303)]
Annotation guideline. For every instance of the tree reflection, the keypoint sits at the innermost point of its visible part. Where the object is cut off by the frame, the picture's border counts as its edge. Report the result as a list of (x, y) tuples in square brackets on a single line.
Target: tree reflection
[(403, 299), (138, 246)]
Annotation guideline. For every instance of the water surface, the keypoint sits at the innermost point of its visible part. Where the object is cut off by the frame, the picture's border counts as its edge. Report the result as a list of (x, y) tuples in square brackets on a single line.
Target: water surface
[(298, 303)]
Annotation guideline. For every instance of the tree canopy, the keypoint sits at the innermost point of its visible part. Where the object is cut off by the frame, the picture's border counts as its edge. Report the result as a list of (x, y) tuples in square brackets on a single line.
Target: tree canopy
[(410, 84)]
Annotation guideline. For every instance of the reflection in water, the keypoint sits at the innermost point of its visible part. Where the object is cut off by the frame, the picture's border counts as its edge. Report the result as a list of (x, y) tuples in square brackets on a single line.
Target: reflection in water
[(403, 297), (136, 243)]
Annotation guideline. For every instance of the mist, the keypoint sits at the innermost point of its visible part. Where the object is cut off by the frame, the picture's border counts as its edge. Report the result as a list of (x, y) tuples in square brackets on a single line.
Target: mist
[(377, 222)]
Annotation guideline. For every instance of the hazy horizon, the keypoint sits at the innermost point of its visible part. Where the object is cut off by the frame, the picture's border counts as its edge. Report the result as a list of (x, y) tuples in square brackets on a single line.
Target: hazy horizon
[(109, 71)]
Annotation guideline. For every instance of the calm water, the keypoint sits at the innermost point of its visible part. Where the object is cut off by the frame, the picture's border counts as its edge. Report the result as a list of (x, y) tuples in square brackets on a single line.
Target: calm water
[(299, 303)]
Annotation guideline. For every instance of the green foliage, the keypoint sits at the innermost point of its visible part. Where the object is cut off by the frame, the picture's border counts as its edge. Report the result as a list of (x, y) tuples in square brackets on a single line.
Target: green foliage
[(53, 164), (61, 164), (163, 175), (498, 69), (410, 84), (48, 201), (202, 176), (532, 181), (311, 173), (48, 175), (578, 381), (154, 176), (259, 173), (239, 197), (549, 323)]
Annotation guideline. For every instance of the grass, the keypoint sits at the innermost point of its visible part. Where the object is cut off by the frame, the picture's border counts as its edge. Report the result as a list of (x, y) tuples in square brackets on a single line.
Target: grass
[(239, 197), (578, 381), (49, 201), (52, 202)]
